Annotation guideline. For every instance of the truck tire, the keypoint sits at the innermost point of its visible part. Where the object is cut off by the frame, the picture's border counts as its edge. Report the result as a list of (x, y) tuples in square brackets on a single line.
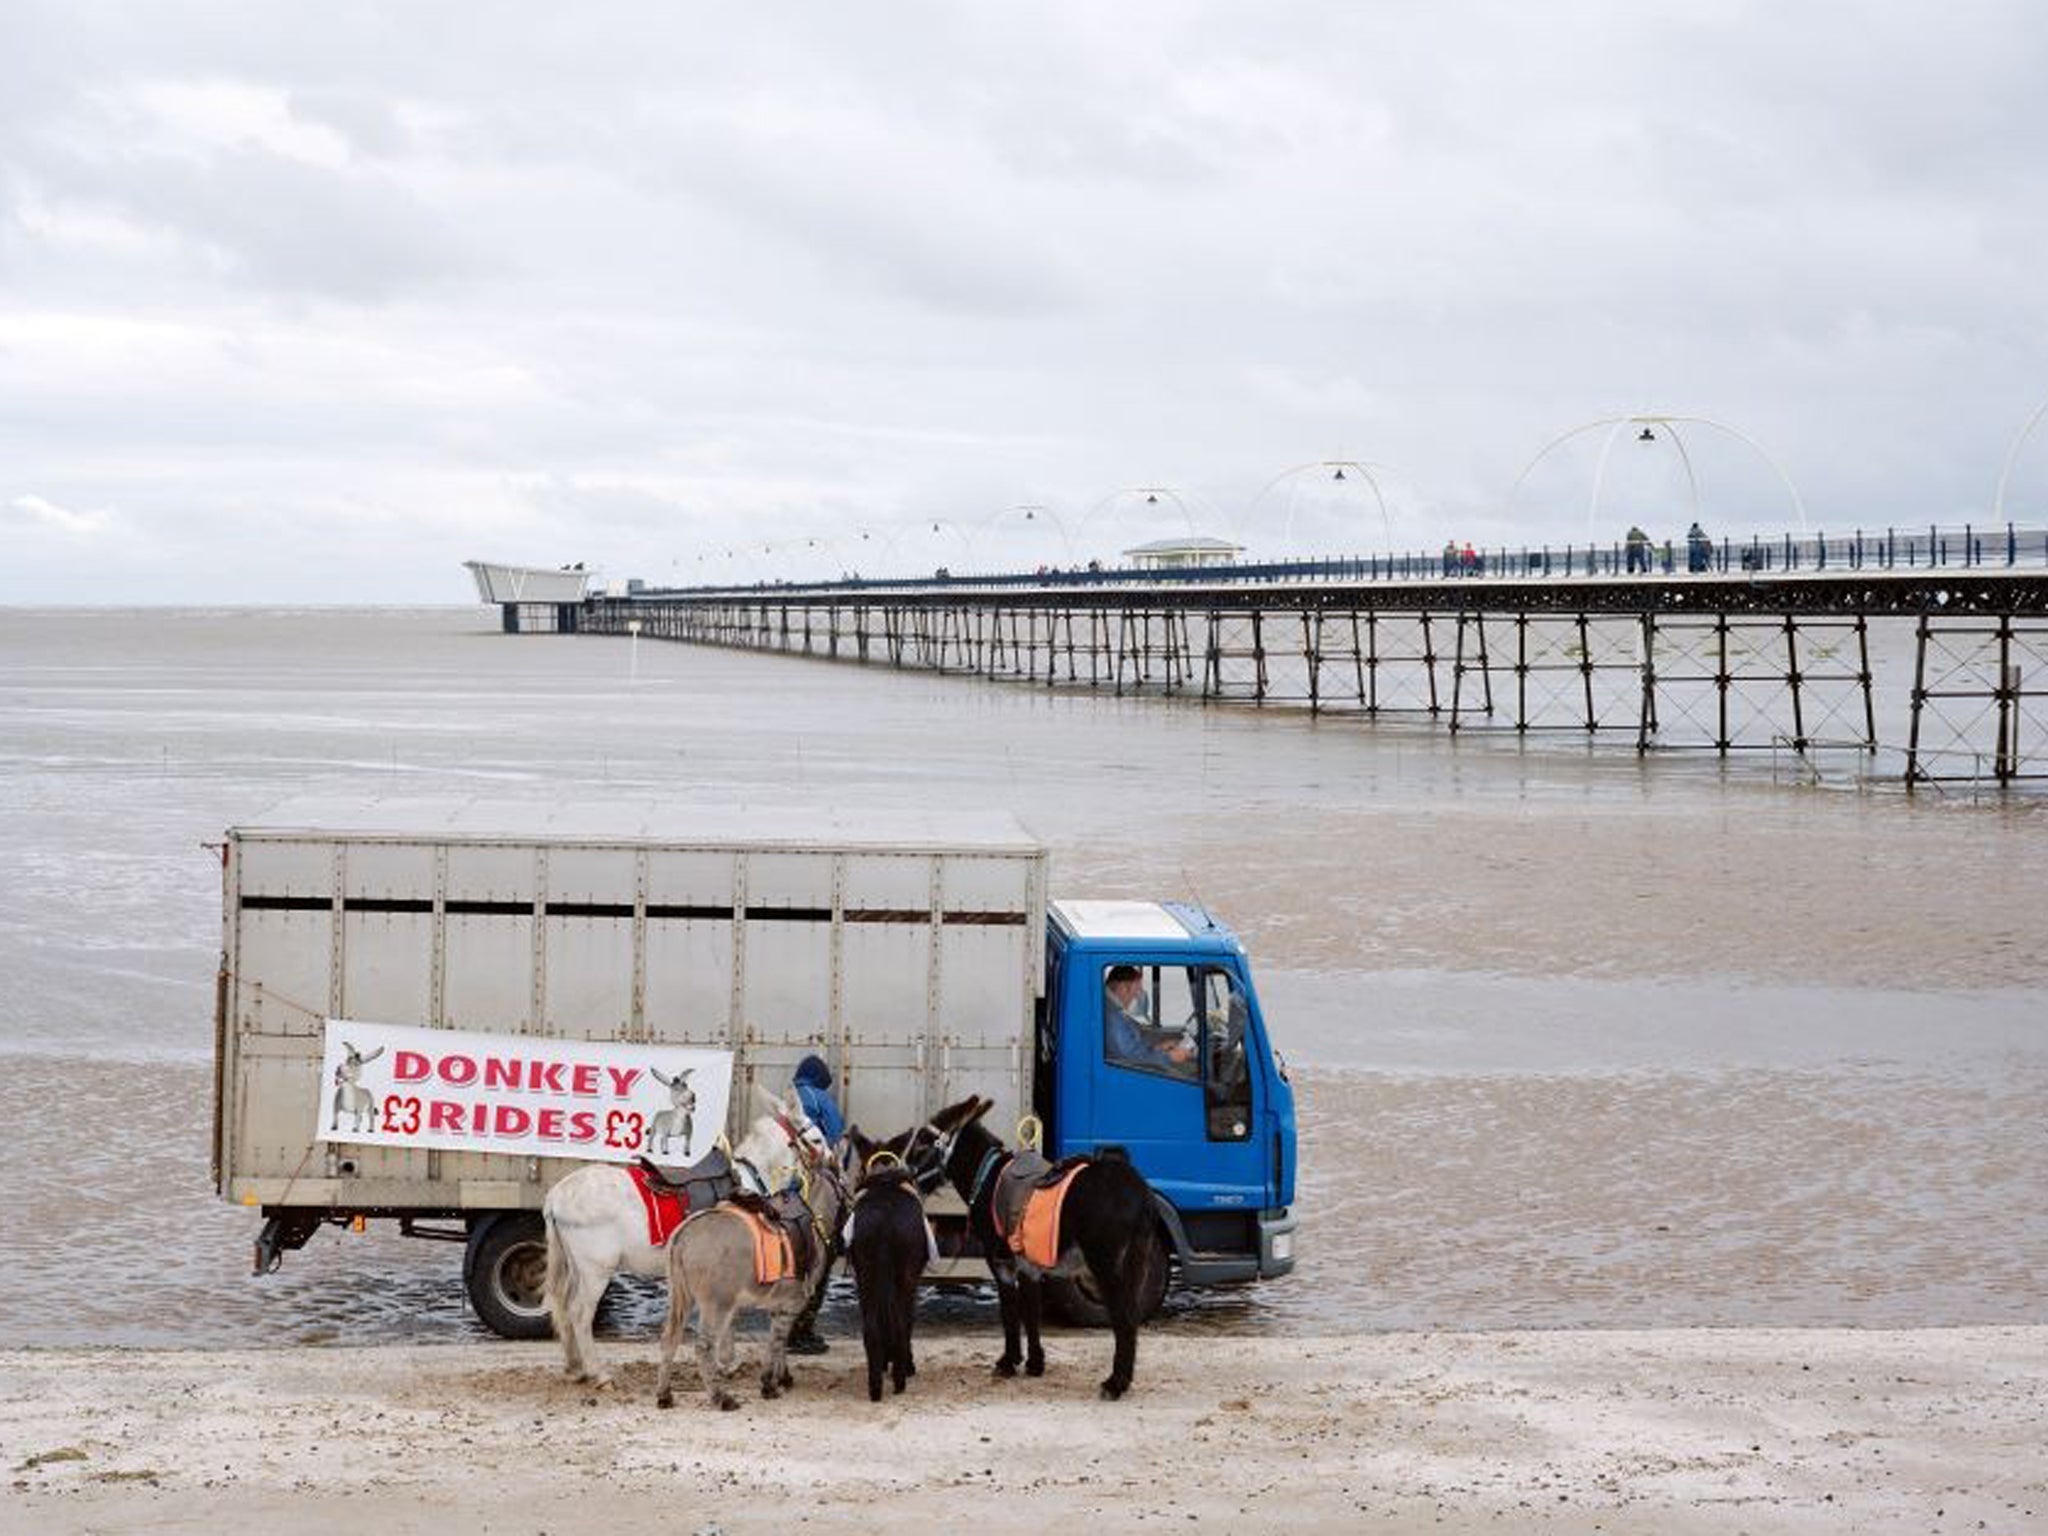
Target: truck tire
[(1076, 1301), (505, 1268)]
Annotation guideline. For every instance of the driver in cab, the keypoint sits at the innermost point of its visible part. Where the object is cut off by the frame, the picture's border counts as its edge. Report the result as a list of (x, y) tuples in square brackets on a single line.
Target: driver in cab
[(1129, 1038)]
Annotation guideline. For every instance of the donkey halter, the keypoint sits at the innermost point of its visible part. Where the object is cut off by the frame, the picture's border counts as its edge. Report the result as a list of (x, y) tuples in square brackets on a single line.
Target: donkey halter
[(940, 1153)]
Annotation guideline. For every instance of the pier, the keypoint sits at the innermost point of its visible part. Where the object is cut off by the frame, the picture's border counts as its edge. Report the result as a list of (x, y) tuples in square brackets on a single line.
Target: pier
[(1765, 650)]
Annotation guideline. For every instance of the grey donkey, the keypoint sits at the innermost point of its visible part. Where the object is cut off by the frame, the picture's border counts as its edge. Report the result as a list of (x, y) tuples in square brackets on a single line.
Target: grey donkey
[(711, 1264), (351, 1098)]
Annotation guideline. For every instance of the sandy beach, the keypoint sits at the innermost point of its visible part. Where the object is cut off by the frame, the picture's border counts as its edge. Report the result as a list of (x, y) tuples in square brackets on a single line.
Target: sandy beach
[(1671, 1431)]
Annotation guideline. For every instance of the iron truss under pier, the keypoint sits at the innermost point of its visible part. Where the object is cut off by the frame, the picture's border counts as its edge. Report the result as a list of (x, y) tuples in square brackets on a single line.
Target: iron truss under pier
[(1724, 664)]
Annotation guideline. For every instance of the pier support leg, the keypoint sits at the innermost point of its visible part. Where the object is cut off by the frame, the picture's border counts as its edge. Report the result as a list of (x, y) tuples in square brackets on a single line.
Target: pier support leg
[(1793, 680), (1429, 663), (1647, 723)]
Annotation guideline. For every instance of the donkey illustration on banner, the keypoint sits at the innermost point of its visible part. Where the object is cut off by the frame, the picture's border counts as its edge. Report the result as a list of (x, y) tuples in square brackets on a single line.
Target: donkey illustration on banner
[(1105, 1230), (351, 1098), (679, 1119)]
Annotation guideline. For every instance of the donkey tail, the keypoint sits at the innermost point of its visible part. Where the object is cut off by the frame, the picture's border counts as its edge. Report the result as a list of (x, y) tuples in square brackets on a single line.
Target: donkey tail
[(561, 1277)]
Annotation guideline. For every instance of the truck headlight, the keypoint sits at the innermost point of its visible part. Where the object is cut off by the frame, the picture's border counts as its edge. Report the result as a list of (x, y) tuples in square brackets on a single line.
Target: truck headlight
[(1283, 1246)]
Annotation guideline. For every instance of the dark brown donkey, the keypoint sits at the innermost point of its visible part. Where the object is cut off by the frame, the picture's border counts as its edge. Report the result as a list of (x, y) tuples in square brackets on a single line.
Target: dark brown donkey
[(1105, 1232), (889, 1246)]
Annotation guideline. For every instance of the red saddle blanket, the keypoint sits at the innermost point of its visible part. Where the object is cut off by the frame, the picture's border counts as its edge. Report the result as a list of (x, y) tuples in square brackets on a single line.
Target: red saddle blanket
[(665, 1208)]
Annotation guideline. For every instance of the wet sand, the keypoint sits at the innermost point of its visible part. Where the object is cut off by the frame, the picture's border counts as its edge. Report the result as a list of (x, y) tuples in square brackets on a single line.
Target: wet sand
[(1582, 1041), (1666, 1432)]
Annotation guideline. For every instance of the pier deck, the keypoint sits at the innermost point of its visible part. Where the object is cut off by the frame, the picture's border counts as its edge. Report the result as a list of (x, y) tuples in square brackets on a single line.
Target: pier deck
[(1724, 660)]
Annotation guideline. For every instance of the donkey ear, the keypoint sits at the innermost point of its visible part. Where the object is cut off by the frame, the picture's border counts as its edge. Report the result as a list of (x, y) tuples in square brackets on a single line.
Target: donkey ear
[(374, 1054), (982, 1107), (953, 1116), (767, 1102)]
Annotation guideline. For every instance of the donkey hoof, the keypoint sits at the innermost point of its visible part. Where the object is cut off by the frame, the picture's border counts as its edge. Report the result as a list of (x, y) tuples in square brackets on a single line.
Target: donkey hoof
[(726, 1402), (665, 1400), (1113, 1389), (771, 1390), (788, 1381), (1035, 1367), (1006, 1369), (602, 1383)]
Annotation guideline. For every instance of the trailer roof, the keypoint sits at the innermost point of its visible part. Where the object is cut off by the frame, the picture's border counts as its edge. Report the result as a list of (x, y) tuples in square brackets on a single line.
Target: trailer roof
[(643, 820)]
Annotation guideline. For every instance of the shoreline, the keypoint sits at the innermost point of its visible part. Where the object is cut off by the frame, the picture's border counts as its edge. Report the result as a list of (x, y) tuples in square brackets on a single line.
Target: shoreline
[(1639, 1431)]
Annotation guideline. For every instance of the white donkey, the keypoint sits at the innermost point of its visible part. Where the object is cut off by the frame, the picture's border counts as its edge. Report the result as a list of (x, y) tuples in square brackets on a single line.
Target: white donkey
[(351, 1098), (597, 1225), (679, 1119)]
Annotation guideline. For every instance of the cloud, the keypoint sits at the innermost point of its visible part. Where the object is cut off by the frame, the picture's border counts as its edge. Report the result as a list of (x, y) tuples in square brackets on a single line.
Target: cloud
[(40, 512), (371, 288)]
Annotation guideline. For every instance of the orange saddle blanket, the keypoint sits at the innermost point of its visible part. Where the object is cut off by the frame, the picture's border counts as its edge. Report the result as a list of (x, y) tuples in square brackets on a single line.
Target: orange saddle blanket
[(774, 1255), (1037, 1237)]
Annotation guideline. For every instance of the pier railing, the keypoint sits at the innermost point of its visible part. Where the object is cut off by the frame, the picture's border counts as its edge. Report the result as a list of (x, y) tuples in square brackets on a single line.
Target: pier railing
[(1932, 547)]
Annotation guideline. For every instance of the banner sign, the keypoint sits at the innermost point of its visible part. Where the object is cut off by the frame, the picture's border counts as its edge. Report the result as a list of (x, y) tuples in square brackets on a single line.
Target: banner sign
[(400, 1085)]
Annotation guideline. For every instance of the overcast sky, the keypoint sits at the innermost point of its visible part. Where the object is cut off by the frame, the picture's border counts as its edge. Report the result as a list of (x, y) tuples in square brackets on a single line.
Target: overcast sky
[(309, 303)]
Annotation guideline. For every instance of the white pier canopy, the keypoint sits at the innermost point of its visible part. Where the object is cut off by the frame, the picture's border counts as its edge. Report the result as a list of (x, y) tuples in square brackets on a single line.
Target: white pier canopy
[(497, 583)]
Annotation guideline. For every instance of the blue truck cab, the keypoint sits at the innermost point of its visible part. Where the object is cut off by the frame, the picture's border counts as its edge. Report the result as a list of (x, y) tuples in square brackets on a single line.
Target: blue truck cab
[(1151, 1045)]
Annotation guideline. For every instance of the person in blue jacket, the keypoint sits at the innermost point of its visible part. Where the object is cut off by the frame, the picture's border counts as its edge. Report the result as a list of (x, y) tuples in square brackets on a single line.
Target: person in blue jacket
[(813, 1084)]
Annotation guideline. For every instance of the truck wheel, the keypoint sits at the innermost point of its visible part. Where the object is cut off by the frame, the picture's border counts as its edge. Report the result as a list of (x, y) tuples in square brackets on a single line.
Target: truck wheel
[(1077, 1302), (506, 1269)]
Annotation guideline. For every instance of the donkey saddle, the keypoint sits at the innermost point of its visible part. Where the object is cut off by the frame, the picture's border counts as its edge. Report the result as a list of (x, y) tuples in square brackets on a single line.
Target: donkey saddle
[(703, 1183), (1023, 1177), (785, 1213)]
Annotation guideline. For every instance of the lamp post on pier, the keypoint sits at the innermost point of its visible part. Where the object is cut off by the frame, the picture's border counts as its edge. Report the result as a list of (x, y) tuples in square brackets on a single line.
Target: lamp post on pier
[(1348, 472), (1033, 512)]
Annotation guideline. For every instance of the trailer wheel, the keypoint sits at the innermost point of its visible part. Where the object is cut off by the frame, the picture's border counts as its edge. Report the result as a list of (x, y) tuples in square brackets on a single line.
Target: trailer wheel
[(1078, 1302), (506, 1269)]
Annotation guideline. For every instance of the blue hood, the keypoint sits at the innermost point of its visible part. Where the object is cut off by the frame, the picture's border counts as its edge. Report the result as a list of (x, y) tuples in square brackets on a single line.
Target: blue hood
[(812, 1072)]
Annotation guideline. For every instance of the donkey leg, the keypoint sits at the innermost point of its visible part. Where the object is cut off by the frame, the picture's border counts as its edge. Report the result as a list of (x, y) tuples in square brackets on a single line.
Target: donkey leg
[(874, 1339), (1031, 1296), (775, 1375), (560, 1289), (1120, 1287), (714, 1334), (590, 1289), (671, 1337), (780, 1331), (906, 1313), (1006, 1298)]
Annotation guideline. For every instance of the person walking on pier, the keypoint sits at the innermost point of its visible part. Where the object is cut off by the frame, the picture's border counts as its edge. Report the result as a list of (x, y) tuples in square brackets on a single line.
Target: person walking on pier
[(1697, 548), (1637, 547)]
